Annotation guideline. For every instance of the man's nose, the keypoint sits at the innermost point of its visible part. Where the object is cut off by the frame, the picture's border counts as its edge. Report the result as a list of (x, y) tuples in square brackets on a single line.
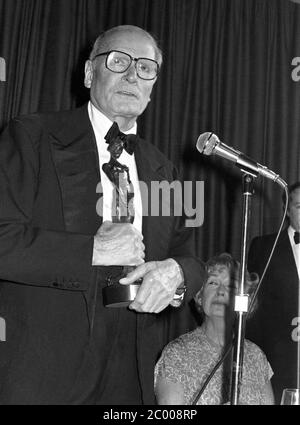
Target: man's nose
[(131, 74)]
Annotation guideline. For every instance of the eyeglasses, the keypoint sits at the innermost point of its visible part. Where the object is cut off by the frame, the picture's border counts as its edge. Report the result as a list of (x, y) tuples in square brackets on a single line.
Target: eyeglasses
[(116, 61)]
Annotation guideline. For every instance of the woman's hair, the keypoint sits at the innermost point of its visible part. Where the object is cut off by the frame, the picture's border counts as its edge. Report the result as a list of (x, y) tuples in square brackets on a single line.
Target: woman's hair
[(233, 266)]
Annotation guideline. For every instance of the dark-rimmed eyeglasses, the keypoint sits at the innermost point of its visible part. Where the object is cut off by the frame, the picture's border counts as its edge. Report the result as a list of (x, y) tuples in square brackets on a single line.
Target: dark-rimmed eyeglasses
[(116, 61)]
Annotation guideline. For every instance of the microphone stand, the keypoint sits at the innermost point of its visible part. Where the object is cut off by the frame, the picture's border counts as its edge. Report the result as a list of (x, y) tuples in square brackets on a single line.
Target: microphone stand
[(241, 300)]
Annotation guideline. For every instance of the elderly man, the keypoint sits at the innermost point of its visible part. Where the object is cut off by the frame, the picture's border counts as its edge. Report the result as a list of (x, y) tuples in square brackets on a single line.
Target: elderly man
[(275, 327), (58, 251)]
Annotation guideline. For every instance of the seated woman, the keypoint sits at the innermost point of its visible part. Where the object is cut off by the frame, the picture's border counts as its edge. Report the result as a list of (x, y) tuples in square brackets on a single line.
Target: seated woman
[(186, 362)]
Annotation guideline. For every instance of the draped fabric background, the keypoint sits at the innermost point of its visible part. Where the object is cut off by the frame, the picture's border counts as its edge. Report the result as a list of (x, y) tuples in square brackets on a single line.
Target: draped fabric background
[(230, 66)]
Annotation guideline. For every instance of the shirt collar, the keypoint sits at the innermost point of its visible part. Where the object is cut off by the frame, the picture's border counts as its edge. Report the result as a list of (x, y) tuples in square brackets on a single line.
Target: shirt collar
[(291, 232), (102, 123)]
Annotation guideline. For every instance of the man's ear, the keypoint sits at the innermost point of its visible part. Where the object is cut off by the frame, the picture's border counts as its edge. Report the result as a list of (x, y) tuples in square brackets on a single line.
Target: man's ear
[(88, 74)]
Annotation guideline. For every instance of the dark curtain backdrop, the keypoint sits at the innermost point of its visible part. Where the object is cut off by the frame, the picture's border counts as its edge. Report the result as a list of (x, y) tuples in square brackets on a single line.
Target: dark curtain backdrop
[(228, 68)]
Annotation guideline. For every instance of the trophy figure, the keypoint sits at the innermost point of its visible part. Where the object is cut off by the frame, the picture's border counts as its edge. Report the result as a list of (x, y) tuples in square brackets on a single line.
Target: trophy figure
[(116, 294)]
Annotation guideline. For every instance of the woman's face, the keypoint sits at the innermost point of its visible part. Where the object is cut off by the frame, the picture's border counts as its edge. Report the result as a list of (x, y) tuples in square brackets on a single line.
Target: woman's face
[(218, 292)]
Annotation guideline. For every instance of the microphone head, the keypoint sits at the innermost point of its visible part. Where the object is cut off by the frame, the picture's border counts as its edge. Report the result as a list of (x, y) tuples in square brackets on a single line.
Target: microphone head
[(207, 142)]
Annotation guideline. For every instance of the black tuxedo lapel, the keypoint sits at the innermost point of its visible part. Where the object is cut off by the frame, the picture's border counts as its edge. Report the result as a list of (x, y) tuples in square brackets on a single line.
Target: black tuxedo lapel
[(282, 310), (156, 231), (75, 156), (272, 327), (155, 227), (279, 291), (286, 257)]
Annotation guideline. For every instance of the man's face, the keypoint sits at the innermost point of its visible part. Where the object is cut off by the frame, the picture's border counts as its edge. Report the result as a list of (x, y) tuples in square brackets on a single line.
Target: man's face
[(120, 95), (294, 209)]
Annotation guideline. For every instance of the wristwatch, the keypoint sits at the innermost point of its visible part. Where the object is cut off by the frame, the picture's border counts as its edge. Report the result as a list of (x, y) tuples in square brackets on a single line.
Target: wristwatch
[(179, 295)]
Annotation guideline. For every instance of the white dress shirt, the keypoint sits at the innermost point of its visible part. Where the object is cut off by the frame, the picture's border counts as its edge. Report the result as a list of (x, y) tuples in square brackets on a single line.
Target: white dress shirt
[(101, 124), (295, 248)]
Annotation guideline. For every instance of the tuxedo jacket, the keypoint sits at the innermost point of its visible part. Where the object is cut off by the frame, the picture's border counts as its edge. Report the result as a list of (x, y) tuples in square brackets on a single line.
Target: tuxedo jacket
[(274, 324), (61, 343)]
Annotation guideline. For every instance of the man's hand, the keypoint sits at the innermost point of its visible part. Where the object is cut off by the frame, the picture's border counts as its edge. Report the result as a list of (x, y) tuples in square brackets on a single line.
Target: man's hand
[(118, 244), (160, 281)]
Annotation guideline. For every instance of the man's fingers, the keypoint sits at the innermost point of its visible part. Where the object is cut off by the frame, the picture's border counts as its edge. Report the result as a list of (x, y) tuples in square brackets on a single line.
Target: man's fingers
[(135, 274), (149, 305), (160, 280), (138, 272)]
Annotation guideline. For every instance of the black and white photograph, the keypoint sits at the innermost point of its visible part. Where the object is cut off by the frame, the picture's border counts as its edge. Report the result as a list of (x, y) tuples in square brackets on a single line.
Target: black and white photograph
[(149, 205)]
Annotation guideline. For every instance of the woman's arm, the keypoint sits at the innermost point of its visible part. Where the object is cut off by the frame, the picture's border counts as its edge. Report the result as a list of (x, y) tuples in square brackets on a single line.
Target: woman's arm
[(168, 392), (268, 394)]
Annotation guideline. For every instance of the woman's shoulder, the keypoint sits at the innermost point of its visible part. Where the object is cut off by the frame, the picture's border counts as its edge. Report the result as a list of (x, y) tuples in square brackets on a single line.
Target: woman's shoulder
[(255, 356), (256, 362), (184, 341), (253, 349)]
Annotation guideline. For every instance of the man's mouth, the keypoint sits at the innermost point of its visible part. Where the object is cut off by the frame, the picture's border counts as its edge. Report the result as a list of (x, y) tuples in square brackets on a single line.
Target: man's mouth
[(127, 93)]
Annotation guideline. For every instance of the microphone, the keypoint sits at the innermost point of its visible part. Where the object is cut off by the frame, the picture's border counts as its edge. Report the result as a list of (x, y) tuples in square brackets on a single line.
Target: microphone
[(209, 144)]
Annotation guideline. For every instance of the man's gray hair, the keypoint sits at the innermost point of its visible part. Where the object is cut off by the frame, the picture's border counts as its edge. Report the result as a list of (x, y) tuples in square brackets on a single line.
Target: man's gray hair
[(101, 44)]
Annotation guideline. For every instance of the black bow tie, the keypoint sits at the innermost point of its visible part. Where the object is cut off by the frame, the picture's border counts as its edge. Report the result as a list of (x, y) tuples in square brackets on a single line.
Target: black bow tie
[(297, 237), (118, 140)]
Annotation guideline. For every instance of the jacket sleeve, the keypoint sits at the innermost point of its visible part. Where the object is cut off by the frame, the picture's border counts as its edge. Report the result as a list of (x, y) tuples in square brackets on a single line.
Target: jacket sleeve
[(32, 255)]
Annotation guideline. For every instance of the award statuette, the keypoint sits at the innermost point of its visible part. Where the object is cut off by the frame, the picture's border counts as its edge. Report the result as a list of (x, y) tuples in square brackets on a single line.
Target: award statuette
[(115, 294)]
